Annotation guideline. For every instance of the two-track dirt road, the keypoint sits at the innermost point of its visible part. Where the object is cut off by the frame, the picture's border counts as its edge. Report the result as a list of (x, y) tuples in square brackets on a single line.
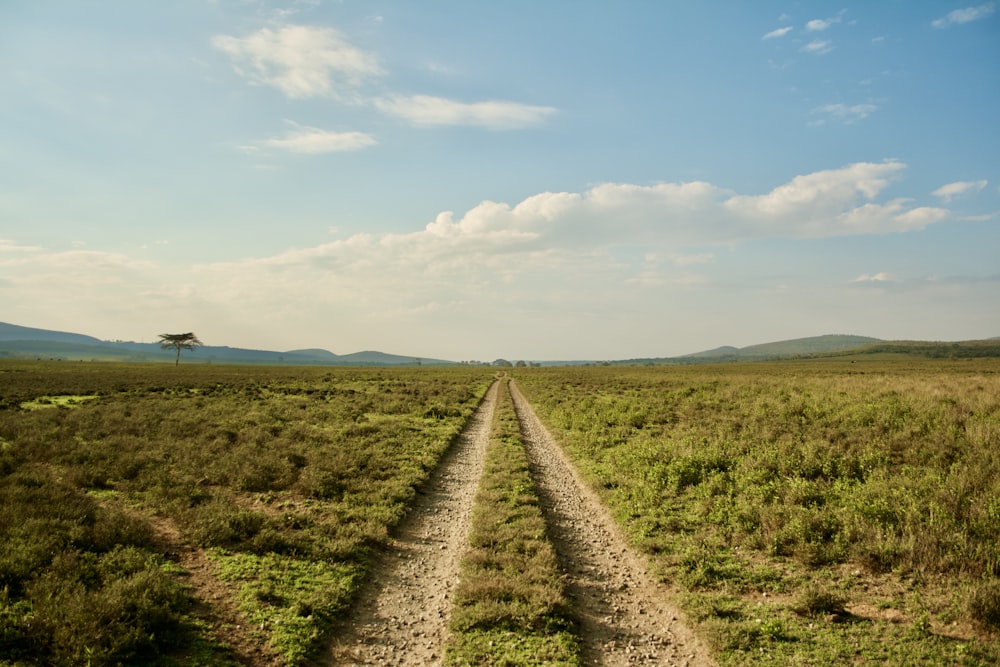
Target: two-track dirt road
[(623, 614), (401, 615)]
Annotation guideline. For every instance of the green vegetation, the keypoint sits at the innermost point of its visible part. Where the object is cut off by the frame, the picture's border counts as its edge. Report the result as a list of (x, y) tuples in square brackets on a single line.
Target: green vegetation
[(814, 512), (288, 478), (509, 606)]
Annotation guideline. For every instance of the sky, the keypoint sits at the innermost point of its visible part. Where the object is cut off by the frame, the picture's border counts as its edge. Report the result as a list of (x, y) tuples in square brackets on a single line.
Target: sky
[(520, 179)]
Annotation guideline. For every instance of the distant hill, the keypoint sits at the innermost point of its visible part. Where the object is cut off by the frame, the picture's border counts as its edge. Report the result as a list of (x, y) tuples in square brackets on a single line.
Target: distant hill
[(19, 342), (835, 346), (724, 351), (10, 332), (315, 353), (797, 347), (801, 346)]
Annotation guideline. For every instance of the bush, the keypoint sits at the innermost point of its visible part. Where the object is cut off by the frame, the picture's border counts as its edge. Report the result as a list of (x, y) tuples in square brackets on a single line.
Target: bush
[(984, 604), (815, 601), (103, 610)]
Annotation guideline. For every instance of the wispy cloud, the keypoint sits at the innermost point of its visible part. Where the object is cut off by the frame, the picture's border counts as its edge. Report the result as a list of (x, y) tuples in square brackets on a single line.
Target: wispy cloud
[(819, 25), (779, 32), (818, 47), (314, 141), (946, 192), (679, 259), (881, 277), (966, 15), (8, 246), (843, 113), (494, 115), (308, 61), (301, 61)]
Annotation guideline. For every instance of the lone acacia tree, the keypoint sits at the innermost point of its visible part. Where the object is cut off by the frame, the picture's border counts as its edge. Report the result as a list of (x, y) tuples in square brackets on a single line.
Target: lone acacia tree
[(183, 341)]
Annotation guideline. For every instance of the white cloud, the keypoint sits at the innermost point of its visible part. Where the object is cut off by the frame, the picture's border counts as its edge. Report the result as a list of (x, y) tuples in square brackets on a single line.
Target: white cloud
[(818, 47), (494, 115), (966, 15), (779, 32), (844, 113), (880, 277), (554, 257), (313, 141), (946, 192), (918, 218), (818, 25), (300, 61), (561, 254)]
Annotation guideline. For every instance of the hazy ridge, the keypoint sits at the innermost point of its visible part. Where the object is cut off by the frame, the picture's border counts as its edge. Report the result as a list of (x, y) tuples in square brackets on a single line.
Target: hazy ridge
[(30, 343), (19, 342)]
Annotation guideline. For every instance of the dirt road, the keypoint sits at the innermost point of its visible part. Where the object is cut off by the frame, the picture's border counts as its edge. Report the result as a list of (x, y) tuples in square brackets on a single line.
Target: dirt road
[(624, 616), (401, 615)]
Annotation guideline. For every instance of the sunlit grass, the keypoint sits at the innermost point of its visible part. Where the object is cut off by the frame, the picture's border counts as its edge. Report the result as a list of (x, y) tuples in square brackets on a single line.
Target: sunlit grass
[(763, 484), (290, 477)]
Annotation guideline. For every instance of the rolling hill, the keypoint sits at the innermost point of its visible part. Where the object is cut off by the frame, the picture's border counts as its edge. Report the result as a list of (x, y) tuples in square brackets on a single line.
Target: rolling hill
[(18, 342)]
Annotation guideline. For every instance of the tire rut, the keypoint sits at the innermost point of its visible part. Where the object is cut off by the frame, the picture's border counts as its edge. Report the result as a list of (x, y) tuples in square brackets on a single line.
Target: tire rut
[(623, 613), (401, 614)]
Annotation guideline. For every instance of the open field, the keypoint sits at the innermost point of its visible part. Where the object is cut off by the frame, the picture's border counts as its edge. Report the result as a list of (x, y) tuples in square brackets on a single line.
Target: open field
[(193, 515), (817, 512), (810, 513)]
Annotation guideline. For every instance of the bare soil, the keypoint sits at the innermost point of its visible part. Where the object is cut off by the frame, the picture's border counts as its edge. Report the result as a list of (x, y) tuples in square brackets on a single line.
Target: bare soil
[(624, 614), (401, 614), (215, 600)]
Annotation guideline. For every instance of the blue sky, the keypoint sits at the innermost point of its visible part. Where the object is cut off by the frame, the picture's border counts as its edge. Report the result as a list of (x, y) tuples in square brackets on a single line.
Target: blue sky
[(471, 180)]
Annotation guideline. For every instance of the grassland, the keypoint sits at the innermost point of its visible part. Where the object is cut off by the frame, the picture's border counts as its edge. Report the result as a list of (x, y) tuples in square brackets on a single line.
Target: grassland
[(285, 478), (813, 513), (820, 512)]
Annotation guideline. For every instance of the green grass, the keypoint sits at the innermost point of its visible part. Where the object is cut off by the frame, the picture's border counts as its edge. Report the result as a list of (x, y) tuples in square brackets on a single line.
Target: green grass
[(782, 487), (818, 512), (290, 477), (290, 600), (43, 402), (510, 607)]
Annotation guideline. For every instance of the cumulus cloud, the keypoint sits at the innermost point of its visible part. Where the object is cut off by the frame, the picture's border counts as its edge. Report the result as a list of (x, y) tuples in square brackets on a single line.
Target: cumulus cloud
[(301, 61), (947, 192), (314, 141), (599, 250), (494, 115), (779, 32), (663, 218), (965, 15), (844, 113)]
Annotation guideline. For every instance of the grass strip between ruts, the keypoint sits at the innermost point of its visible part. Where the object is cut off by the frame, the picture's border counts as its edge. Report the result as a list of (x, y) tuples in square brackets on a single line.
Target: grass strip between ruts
[(510, 607)]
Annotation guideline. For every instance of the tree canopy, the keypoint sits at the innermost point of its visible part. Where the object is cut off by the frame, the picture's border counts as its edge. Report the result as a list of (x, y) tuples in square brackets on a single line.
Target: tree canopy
[(181, 341)]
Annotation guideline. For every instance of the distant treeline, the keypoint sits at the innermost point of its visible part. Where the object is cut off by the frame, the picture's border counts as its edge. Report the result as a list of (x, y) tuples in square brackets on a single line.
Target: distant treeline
[(971, 349)]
